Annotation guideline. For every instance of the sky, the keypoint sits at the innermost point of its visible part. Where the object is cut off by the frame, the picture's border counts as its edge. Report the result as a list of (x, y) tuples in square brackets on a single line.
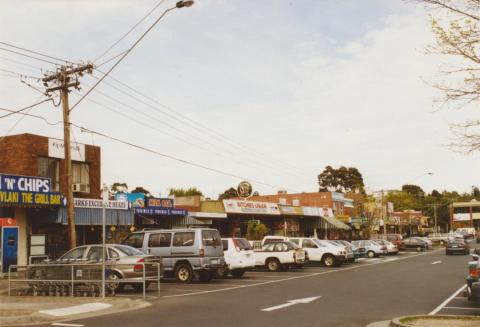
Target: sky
[(266, 91)]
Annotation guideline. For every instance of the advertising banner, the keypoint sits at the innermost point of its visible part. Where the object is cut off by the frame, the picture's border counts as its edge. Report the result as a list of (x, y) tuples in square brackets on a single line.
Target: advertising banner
[(160, 203), (56, 149), (289, 210), (27, 190), (161, 212), (97, 203), (239, 206), (461, 216)]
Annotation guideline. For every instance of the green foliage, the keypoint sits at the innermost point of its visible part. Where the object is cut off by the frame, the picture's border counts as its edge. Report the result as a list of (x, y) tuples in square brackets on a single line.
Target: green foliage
[(228, 194), (256, 231), (178, 192), (343, 179)]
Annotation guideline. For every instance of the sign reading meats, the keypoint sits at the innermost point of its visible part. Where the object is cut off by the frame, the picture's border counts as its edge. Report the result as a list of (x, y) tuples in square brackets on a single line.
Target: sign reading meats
[(239, 206)]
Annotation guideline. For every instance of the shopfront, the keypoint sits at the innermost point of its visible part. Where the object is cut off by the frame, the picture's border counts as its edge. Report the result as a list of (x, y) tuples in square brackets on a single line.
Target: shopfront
[(161, 213)]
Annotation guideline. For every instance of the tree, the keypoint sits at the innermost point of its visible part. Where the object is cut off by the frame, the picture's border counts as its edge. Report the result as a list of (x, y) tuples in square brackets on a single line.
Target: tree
[(228, 194), (413, 190), (342, 179), (119, 187), (456, 25), (140, 189), (178, 192), (476, 193), (256, 231)]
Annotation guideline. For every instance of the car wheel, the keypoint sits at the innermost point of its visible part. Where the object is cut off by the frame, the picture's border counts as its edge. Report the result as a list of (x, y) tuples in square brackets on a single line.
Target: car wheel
[(370, 254), (273, 264), (112, 281), (222, 272), (447, 252), (419, 248), (237, 273), (205, 276), (329, 260), (184, 273)]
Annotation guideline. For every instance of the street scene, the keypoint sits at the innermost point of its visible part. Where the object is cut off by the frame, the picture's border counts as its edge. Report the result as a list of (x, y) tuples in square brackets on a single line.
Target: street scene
[(233, 163)]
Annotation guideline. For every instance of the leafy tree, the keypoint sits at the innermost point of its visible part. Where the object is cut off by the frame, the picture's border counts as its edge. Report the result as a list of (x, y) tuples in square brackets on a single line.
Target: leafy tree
[(140, 189), (456, 25), (119, 187), (178, 192), (436, 194), (413, 190), (256, 231), (342, 179), (228, 194), (476, 193)]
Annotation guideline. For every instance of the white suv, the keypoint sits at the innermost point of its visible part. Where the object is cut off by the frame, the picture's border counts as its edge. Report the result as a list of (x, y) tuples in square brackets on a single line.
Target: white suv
[(238, 257)]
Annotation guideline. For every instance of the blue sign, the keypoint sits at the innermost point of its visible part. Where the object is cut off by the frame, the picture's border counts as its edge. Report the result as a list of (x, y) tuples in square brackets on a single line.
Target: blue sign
[(137, 199), (160, 203), (9, 248), (24, 183), (161, 212)]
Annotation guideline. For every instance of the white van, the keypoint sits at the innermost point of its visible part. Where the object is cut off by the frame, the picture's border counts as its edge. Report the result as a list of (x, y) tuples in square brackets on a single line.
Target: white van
[(468, 230), (238, 257)]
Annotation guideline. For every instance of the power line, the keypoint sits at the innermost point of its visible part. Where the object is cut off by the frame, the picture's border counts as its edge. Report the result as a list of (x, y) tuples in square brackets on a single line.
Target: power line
[(128, 32), (12, 112), (30, 115), (187, 162), (20, 74), (31, 57), (35, 52), (122, 57)]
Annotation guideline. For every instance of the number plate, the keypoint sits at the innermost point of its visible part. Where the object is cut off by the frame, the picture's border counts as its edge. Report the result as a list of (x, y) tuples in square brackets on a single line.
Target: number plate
[(214, 261)]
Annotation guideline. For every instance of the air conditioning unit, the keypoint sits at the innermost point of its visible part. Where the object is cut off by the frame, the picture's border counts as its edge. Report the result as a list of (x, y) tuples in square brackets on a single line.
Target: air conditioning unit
[(80, 188)]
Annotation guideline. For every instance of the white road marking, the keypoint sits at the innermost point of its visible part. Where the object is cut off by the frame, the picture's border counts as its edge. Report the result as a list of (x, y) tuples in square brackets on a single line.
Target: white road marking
[(462, 308), (444, 303), (297, 277), (436, 262), (68, 325), (292, 302), (82, 308)]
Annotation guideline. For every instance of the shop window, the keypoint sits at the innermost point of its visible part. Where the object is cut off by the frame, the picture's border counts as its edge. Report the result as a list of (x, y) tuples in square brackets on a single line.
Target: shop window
[(49, 167), (184, 239), (160, 240), (81, 177)]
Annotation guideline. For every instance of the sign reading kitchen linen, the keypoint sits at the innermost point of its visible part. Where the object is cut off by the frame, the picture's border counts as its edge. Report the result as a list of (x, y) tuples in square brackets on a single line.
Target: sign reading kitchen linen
[(239, 206), (97, 203), (56, 149)]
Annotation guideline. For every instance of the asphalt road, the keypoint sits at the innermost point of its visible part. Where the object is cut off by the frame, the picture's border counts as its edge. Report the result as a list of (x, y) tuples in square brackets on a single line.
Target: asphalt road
[(351, 295)]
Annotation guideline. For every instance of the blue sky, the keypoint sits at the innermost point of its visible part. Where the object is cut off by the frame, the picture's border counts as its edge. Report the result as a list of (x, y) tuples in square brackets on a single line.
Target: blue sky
[(283, 87)]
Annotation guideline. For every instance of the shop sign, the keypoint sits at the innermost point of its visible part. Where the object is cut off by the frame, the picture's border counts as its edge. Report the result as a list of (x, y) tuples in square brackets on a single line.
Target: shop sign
[(288, 210), (7, 222), (98, 204), (137, 199), (161, 212), (27, 190), (160, 203), (244, 189), (56, 149), (461, 216), (239, 206), (317, 211)]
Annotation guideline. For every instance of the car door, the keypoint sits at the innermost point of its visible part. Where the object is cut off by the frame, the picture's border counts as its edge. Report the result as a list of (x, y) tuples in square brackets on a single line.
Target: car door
[(160, 244), (312, 249)]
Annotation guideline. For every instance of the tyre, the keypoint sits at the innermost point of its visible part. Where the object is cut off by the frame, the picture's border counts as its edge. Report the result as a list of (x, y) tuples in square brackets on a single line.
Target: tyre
[(329, 260), (222, 272), (273, 265), (205, 276), (184, 273), (237, 273), (370, 254), (112, 281)]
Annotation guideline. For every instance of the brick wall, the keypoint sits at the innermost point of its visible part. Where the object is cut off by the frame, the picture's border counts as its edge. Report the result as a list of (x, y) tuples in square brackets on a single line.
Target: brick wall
[(19, 156)]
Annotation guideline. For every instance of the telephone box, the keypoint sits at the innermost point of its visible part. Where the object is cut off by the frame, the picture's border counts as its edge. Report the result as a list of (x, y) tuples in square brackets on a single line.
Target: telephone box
[(8, 244)]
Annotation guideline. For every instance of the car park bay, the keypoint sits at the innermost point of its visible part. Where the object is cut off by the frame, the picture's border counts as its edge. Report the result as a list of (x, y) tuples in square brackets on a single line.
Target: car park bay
[(350, 295)]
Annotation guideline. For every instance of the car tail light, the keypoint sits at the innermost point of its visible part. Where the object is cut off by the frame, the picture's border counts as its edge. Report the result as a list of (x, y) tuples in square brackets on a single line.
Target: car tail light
[(138, 268), (474, 272), (201, 253)]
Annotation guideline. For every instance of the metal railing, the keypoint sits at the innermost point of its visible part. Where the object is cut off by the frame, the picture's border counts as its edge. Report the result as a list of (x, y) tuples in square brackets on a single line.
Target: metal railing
[(83, 279), (35, 259)]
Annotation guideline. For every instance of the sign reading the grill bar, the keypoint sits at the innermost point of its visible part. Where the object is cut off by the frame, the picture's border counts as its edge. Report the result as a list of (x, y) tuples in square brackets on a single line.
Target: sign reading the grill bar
[(97, 203), (239, 206)]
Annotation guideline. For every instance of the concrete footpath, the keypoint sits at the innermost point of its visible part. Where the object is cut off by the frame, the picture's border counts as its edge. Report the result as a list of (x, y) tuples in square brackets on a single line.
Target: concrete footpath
[(25, 310)]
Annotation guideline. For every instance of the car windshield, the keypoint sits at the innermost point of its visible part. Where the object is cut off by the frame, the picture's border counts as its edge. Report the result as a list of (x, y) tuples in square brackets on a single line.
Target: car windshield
[(128, 250), (242, 244)]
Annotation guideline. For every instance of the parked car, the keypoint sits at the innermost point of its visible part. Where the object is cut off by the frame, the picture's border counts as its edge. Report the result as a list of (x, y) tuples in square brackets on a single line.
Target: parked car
[(393, 238), (321, 251), (347, 247), (457, 246), (372, 248), (279, 256), (185, 253), (426, 240), (467, 232), (391, 248), (238, 255), (415, 243), (473, 279), (123, 262)]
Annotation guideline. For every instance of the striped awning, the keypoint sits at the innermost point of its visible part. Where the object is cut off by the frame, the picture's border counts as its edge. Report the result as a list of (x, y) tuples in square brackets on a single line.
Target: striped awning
[(93, 216)]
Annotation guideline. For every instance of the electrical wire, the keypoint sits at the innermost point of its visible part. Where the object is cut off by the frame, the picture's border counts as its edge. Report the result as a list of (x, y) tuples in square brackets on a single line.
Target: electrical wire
[(20, 74), (35, 52), (31, 57), (128, 32), (186, 162), (12, 112), (122, 57)]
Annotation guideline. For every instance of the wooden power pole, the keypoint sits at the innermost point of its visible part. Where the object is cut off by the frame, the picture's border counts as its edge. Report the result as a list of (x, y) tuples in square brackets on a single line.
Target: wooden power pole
[(63, 80)]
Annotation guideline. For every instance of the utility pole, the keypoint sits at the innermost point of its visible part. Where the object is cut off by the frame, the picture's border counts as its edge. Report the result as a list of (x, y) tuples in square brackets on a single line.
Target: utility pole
[(63, 81), (435, 217)]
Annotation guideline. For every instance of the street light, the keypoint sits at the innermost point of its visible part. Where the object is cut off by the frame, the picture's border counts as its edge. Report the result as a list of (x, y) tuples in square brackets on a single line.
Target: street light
[(186, 3)]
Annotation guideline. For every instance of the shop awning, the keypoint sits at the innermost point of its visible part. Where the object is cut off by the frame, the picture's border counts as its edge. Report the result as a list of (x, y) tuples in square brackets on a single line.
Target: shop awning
[(336, 223), (207, 215), (93, 216)]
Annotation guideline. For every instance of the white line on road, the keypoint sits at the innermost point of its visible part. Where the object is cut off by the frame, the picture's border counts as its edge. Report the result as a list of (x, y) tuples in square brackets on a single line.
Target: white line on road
[(292, 302), (436, 262), (82, 308), (444, 303), (462, 308), (67, 325), (297, 277)]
